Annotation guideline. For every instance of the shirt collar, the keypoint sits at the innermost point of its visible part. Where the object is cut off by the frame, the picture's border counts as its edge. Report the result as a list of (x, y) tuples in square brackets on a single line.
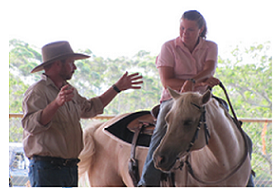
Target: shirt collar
[(201, 44), (49, 81)]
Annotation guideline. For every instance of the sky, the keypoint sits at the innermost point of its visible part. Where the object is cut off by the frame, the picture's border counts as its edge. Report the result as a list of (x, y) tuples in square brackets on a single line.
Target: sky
[(113, 28)]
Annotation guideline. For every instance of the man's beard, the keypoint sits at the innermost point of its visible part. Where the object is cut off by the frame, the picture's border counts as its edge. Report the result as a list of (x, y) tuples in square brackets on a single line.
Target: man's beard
[(66, 76)]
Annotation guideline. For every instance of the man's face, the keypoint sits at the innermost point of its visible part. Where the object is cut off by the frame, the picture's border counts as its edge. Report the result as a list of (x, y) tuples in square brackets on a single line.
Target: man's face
[(68, 69)]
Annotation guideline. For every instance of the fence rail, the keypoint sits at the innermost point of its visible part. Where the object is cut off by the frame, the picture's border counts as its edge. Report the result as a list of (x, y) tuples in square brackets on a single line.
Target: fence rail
[(259, 130), (107, 117)]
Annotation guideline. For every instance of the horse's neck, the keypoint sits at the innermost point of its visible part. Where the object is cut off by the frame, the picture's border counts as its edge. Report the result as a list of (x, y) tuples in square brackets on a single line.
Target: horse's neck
[(226, 145)]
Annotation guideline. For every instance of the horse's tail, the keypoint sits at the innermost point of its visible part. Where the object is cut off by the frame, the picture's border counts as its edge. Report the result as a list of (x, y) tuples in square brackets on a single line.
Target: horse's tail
[(88, 150)]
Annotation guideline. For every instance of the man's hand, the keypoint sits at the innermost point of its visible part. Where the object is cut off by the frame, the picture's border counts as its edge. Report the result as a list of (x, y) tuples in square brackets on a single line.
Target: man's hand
[(131, 81), (65, 95)]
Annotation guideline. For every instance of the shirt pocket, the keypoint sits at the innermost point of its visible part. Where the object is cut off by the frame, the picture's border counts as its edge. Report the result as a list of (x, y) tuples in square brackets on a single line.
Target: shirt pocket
[(75, 110), (61, 119)]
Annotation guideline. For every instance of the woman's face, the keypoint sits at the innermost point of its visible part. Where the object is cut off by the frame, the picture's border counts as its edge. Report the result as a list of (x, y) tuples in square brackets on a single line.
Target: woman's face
[(189, 31)]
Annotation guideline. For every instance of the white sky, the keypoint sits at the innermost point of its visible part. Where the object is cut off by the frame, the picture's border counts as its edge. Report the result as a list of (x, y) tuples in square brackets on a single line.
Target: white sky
[(123, 27)]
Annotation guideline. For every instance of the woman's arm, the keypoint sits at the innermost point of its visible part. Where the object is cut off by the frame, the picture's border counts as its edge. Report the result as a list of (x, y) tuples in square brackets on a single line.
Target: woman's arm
[(202, 76), (168, 79)]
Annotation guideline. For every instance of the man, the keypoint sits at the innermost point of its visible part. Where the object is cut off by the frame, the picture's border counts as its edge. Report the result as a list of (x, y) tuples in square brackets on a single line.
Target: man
[(52, 109)]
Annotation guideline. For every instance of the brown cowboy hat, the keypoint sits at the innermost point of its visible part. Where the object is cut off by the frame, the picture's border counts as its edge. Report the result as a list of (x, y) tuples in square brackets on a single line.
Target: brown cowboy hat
[(57, 51)]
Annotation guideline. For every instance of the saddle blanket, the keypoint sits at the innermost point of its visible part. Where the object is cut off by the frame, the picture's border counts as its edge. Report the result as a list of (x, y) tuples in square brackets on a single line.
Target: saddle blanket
[(119, 129)]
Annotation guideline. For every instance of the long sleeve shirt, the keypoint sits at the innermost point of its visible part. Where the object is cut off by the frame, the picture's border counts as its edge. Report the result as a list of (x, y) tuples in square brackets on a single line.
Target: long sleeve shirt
[(62, 137)]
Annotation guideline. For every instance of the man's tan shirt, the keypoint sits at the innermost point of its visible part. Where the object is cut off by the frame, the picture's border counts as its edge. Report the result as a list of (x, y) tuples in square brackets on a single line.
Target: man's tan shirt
[(62, 137)]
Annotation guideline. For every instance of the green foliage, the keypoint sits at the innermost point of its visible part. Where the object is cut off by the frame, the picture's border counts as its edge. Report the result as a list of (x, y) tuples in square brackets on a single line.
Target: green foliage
[(248, 84)]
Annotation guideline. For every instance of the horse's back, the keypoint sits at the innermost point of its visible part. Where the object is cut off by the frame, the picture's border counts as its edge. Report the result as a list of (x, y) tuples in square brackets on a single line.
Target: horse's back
[(106, 157)]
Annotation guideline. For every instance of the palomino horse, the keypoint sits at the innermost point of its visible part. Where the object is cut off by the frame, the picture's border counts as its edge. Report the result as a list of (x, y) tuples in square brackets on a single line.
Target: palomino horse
[(203, 137), (105, 157)]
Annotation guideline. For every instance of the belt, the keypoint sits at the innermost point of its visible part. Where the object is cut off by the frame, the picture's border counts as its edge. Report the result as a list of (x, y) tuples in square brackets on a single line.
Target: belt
[(56, 160)]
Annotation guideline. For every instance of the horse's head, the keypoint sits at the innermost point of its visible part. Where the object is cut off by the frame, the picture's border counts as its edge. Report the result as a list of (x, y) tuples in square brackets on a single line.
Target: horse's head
[(183, 121)]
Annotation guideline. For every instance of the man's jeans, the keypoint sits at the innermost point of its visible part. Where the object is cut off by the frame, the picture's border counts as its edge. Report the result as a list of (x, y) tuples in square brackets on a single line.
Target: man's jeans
[(150, 175), (45, 174)]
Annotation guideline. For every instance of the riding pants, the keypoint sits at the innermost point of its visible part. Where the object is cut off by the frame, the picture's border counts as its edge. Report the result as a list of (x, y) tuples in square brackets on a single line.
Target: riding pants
[(150, 175)]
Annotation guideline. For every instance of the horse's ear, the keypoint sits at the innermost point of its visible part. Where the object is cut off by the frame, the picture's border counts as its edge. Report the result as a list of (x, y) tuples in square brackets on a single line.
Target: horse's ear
[(206, 97), (173, 93)]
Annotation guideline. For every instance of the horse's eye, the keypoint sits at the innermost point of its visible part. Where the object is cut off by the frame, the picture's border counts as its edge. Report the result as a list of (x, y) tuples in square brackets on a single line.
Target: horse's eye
[(187, 122)]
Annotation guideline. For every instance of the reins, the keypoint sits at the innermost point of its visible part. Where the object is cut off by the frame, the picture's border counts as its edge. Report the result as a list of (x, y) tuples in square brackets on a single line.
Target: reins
[(202, 121), (230, 105)]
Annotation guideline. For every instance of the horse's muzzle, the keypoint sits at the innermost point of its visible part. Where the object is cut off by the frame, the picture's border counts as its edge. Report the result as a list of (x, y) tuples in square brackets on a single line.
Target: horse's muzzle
[(162, 162)]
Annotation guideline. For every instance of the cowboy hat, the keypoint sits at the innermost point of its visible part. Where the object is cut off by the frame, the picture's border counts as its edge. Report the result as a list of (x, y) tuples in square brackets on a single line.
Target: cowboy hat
[(57, 51)]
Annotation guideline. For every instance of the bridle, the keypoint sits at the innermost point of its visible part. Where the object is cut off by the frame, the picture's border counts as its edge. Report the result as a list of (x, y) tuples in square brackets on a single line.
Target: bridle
[(202, 121), (207, 136)]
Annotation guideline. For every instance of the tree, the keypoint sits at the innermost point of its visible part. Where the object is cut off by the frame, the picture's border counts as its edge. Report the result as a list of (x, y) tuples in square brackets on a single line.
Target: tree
[(22, 59), (248, 84)]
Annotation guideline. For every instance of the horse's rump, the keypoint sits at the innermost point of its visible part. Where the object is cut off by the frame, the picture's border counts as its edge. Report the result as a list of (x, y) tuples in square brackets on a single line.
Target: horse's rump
[(88, 149)]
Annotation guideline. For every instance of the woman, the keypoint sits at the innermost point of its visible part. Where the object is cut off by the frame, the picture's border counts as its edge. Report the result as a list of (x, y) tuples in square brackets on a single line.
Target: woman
[(186, 63)]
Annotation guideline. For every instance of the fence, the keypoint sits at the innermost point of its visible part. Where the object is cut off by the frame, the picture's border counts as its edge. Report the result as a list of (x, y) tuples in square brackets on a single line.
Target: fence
[(259, 130)]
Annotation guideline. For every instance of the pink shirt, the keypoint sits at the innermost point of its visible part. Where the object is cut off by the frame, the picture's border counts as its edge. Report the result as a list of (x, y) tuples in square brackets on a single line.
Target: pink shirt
[(186, 64)]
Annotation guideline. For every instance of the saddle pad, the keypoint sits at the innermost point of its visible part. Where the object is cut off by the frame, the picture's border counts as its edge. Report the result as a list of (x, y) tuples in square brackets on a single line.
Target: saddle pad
[(120, 130)]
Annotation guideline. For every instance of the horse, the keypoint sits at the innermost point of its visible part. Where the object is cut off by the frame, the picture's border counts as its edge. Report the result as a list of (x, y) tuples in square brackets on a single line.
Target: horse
[(104, 159), (203, 138)]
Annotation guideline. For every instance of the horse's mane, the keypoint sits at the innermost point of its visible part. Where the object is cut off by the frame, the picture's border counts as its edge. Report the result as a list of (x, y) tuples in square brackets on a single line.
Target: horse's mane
[(187, 99)]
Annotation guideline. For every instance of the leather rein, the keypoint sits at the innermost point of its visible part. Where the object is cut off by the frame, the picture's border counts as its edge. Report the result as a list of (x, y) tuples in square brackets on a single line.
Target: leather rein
[(207, 136)]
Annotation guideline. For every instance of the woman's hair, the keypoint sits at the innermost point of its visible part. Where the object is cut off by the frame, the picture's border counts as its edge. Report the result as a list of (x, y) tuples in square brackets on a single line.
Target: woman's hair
[(200, 20)]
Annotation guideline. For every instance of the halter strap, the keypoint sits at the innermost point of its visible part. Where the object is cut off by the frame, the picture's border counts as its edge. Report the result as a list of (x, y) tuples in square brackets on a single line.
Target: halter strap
[(202, 121)]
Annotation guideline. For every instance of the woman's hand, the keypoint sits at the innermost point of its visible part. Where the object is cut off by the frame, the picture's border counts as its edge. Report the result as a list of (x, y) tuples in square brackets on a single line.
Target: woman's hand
[(131, 81), (210, 82), (187, 86)]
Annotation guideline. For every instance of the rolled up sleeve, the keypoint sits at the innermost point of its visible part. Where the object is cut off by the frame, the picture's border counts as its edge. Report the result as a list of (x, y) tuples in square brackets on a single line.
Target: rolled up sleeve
[(33, 107), (212, 52), (91, 107), (166, 56)]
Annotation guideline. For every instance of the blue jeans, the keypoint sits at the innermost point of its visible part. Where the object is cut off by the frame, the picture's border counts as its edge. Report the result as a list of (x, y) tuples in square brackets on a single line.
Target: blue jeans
[(150, 175), (45, 174)]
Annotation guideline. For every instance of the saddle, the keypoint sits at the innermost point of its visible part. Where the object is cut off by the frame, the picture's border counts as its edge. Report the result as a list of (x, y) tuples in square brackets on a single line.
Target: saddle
[(127, 127), (136, 129)]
